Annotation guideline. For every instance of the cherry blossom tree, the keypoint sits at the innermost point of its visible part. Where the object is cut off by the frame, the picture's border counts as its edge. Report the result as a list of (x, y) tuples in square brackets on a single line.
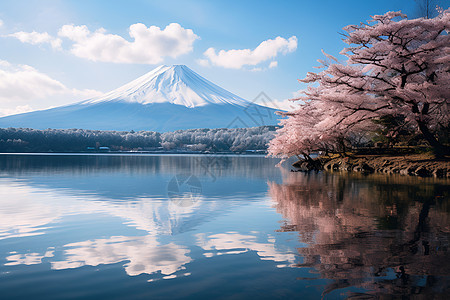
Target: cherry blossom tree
[(308, 130), (394, 66)]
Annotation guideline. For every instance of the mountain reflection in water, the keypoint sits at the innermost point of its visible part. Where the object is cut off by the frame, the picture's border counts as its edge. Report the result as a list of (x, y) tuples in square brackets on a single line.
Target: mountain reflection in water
[(388, 235), (119, 227)]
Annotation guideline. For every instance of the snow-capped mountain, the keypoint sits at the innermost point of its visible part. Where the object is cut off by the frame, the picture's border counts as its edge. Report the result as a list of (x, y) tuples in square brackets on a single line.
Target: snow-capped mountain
[(165, 99)]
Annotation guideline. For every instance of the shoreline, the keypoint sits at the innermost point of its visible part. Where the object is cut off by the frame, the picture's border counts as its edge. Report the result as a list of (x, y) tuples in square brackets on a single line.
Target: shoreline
[(422, 165), (135, 154)]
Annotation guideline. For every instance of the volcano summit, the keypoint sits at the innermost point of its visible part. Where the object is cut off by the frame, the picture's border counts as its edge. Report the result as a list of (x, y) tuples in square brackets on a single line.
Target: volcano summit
[(165, 99)]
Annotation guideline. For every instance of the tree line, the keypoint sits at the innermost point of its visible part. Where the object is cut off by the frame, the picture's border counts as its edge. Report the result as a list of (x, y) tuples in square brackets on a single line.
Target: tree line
[(82, 140)]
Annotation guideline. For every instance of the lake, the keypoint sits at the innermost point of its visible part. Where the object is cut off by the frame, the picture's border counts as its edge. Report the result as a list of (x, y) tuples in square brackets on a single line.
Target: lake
[(216, 227)]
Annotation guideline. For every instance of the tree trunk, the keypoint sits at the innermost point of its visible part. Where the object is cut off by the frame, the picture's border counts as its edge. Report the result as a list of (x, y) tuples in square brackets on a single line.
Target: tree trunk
[(342, 142), (439, 149)]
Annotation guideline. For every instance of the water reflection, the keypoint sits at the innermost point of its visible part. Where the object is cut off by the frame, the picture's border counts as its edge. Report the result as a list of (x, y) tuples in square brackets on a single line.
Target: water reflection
[(145, 255), (210, 167), (29, 211), (79, 204), (360, 236), (236, 243), (387, 235), (27, 258), (125, 177)]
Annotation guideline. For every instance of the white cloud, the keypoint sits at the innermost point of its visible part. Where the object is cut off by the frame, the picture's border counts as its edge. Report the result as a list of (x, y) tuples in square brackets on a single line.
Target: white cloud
[(85, 93), (258, 69), (36, 38), (298, 94), (23, 88), (149, 46), (203, 62), (273, 64), (15, 110), (236, 59), (23, 81), (286, 104), (1, 23)]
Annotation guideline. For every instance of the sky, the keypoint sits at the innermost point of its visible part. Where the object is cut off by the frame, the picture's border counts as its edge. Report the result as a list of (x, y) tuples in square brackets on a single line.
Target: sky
[(54, 52)]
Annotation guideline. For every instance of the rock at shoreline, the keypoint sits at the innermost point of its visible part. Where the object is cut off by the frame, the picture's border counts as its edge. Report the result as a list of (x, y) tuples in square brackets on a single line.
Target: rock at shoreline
[(306, 165)]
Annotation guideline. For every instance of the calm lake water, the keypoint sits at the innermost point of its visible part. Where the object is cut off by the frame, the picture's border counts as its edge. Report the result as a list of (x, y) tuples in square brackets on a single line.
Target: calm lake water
[(204, 227)]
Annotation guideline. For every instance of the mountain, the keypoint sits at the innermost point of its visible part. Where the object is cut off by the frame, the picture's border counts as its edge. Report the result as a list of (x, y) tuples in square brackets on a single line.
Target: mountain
[(165, 99)]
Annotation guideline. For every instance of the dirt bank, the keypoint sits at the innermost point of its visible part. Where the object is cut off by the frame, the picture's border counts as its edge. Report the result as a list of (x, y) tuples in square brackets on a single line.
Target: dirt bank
[(415, 164)]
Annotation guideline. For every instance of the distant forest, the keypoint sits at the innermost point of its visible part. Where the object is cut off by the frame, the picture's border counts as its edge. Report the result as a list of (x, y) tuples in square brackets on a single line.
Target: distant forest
[(81, 140)]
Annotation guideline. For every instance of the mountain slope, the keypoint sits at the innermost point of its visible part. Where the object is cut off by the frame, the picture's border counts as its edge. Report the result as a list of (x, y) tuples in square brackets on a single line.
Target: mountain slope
[(165, 99)]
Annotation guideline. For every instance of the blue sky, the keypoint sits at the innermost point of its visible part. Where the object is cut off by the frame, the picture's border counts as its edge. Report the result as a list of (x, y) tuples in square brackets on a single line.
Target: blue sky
[(62, 62)]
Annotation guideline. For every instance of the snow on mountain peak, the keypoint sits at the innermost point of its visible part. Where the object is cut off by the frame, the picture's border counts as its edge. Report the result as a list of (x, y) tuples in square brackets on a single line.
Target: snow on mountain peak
[(175, 84)]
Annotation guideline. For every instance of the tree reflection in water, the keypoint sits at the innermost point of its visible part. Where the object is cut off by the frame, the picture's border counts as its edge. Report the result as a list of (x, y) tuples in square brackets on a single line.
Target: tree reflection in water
[(387, 235)]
